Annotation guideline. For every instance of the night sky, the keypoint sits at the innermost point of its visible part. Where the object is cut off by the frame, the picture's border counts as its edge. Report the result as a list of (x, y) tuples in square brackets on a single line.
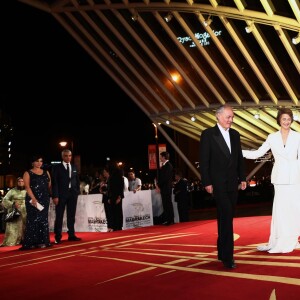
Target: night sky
[(45, 72)]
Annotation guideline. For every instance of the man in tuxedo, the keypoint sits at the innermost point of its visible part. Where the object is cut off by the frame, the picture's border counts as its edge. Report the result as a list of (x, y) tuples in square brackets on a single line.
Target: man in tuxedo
[(222, 169), (164, 186), (65, 191)]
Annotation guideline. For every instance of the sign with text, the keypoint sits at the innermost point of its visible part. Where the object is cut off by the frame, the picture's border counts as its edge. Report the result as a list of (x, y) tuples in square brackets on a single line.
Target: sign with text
[(137, 209), (152, 155)]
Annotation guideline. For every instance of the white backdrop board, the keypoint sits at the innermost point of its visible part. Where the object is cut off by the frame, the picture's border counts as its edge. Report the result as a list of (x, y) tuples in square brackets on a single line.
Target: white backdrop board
[(138, 211), (90, 215)]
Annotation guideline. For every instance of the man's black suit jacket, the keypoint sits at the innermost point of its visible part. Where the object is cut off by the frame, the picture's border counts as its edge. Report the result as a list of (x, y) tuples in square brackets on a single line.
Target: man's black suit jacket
[(219, 167), (165, 178), (61, 180)]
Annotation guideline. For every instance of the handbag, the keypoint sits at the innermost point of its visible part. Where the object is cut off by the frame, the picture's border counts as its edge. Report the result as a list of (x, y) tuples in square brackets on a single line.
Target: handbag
[(12, 215)]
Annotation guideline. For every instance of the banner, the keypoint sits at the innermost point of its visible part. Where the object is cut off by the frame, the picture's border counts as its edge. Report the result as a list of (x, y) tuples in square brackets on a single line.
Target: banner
[(152, 155), (90, 215), (137, 209)]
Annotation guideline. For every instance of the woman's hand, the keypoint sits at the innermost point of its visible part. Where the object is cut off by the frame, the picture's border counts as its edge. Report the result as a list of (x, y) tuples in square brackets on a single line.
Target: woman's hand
[(33, 202)]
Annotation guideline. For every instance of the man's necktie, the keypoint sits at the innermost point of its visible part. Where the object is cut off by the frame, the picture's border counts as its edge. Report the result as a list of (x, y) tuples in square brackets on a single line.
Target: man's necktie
[(68, 170)]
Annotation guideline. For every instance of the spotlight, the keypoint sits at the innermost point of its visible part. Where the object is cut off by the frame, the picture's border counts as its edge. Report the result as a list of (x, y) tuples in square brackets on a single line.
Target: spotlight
[(207, 22), (296, 39), (249, 28), (193, 118), (168, 17), (168, 122), (256, 115), (134, 17)]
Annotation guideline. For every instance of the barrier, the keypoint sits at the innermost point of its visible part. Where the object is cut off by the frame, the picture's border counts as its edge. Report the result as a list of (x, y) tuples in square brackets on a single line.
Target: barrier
[(90, 215), (138, 211)]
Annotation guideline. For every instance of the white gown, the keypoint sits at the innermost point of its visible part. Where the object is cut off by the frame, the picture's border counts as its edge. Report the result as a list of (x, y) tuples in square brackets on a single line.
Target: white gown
[(285, 222)]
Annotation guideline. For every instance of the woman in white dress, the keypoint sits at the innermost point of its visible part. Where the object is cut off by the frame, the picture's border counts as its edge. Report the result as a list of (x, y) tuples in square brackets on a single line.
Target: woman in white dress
[(285, 176)]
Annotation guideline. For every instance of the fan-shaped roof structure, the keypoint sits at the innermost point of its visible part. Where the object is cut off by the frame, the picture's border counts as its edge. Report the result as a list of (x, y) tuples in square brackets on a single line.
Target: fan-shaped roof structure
[(179, 60)]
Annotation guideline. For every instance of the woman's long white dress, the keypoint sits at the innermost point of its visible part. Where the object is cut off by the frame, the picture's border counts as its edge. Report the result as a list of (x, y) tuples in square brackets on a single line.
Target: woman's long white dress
[(285, 222)]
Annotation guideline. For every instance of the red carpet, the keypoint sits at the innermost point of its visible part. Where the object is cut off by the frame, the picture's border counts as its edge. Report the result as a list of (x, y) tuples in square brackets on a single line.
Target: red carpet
[(158, 262)]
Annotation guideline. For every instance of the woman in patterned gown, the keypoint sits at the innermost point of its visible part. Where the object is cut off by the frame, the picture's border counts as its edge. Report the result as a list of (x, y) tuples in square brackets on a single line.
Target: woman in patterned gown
[(37, 184), (14, 230)]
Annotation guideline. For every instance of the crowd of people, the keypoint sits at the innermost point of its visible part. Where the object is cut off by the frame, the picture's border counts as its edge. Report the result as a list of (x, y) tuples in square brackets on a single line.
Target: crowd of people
[(34, 191), (222, 170), (188, 194), (32, 197)]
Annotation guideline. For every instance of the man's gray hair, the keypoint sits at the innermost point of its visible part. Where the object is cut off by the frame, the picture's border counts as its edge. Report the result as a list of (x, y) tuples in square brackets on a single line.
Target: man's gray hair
[(221, 108), (66, 151)]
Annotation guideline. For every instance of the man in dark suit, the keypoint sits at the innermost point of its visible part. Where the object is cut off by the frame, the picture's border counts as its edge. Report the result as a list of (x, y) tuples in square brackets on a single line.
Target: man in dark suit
[(65, 191), (181, 196), (222, 169), (115, 186), (164, 186)]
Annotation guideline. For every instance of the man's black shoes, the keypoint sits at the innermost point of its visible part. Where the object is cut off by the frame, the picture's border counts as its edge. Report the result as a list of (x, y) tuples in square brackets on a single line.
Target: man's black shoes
[(70, 238), (229, 264), (74, 238), (167, 223)]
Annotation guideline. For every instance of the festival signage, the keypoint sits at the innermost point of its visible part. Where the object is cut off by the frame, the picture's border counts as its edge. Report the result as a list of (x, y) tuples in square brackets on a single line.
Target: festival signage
[(152, 155)]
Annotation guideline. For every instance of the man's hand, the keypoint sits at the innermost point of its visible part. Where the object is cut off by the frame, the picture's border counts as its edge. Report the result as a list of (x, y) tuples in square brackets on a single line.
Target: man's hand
[(55, 200)]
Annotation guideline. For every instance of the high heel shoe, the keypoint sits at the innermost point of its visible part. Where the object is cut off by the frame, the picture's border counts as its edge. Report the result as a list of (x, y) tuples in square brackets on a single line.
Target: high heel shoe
[(263, 248)]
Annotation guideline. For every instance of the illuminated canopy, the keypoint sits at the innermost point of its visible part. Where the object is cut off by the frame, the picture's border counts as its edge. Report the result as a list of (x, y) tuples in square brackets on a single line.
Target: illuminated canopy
[(188, 66)]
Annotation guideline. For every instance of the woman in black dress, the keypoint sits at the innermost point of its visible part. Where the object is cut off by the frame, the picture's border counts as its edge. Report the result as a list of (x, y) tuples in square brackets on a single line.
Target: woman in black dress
[(37, 184)]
